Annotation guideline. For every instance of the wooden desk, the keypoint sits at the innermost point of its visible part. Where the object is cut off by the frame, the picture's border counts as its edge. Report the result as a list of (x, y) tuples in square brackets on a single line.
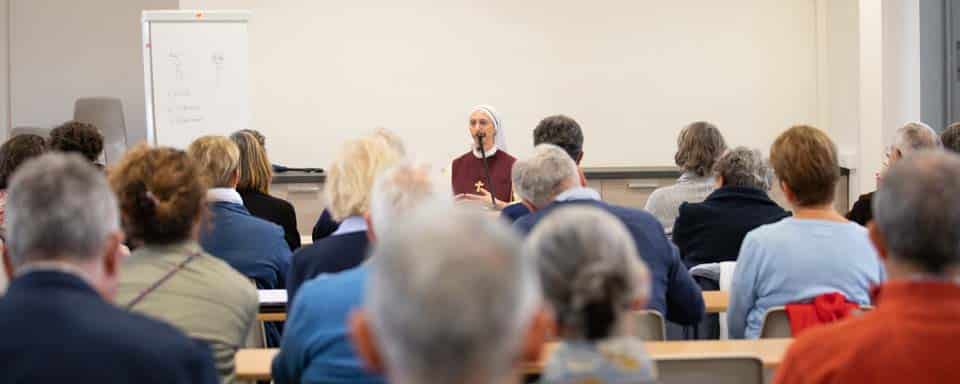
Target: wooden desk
[(254, 364), (716, 301)]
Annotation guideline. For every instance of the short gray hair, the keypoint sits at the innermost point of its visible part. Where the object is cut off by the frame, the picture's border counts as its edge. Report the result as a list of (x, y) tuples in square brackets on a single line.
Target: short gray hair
[(398, 191), (589, 269), (917, 210), (544, 175), (450, 296), (744, 167), (59, 207), (915, 136)]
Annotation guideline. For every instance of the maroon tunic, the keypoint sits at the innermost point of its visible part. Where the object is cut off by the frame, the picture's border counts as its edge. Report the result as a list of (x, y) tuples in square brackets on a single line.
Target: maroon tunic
[(467, 173)]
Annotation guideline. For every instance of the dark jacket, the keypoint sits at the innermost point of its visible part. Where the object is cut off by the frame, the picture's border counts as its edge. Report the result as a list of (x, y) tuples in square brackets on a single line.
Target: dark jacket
[(274, 210), (862, 211), (329, 255), (513, 212), (673, 292), (712, 231), (325, 226), (57, 329)]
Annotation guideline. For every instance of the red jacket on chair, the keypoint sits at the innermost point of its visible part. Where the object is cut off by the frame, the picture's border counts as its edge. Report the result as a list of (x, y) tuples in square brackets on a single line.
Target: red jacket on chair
[(824, 309)]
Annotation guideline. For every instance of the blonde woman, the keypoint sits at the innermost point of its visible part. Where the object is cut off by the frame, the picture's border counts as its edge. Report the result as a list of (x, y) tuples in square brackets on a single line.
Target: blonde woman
[(254, 188), (347, 190)]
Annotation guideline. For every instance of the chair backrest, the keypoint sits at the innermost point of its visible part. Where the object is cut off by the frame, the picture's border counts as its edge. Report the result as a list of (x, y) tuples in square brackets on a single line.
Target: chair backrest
[(714, 370), (45, 132), (776, 324), (106, 113), (649, 325)]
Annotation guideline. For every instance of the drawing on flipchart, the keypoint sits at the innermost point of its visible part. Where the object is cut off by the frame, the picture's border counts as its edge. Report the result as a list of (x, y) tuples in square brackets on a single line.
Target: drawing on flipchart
[(176, 58), (218, 59)]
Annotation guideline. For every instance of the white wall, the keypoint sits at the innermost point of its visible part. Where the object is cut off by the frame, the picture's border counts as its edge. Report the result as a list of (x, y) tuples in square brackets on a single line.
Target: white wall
[(632, 72), (4, 68), (64, 50)]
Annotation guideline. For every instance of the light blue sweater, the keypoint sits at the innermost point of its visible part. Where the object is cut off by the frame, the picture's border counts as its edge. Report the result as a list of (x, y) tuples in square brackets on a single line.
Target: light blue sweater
[(795, 260)]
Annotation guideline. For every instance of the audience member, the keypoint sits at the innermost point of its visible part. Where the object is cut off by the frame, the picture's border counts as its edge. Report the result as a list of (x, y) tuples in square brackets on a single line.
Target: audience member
[(712, 231), (315, 346), (911, 137), (80, 138), (347, 189), (256, 174), (591, 276), (169, 276), (13, 153), (64, 257), (950, 138), (550, 179), (558, 130), (253, 246), (699, 145), (910, 335), (815, 252), (466, 309)]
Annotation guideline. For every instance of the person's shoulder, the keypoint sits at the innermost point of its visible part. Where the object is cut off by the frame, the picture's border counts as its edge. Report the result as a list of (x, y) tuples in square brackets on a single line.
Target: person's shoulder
[(632, 215), (132, 333), (462, 158), (332, 284), (837, 345), (507, 156)]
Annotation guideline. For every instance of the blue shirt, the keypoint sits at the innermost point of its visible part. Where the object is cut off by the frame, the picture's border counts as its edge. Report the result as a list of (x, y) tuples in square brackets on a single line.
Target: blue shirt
[(316, 346), (795, 260)]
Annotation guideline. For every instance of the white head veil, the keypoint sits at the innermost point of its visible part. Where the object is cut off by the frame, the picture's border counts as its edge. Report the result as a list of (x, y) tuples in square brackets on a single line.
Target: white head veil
[(499, 137)]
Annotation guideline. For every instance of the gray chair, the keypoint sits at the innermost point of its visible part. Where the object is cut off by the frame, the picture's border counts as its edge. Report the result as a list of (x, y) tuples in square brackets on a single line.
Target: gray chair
[(106, 113), (776, 323), (713, 370), (649, 325)]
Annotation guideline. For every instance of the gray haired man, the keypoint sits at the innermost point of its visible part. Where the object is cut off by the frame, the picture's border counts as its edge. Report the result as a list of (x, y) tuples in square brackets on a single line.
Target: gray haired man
[(450, 299), (63, 256)]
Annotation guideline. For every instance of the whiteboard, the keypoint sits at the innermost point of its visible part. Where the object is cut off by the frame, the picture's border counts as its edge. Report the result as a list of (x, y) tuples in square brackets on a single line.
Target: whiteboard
[(197, 74)]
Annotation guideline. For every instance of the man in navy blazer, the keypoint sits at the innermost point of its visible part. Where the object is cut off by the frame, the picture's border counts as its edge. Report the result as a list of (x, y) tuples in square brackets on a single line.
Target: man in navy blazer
[(550, 179), (63, 257)]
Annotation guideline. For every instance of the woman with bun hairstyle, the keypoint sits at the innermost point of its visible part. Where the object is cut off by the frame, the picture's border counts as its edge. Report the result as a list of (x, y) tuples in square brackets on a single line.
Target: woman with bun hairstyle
[(591, 277), (168, 276)]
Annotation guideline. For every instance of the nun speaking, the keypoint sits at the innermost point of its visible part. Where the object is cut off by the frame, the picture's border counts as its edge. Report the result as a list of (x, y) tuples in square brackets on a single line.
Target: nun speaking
[(483, 173)]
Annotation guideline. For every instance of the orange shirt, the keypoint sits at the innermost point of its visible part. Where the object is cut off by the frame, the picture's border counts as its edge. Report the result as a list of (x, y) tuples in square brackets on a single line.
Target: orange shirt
[(910, 337)]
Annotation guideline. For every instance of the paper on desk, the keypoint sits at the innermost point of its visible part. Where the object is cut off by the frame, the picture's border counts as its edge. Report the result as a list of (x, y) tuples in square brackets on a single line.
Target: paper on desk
[(272, 296)]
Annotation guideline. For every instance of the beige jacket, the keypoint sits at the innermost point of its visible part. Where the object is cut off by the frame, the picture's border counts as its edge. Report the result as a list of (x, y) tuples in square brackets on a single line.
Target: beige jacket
[(207, 299)]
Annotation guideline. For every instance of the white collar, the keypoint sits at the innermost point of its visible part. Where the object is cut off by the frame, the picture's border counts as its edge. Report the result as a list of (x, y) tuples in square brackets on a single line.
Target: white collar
[(351, 224), (490, 153), (577, 193), (228, 195)]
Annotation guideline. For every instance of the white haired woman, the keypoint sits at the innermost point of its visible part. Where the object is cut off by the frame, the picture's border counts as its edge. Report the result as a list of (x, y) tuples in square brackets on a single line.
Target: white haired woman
[(469, 174)]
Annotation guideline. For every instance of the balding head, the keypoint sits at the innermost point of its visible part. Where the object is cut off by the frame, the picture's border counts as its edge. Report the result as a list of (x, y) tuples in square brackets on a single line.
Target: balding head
[(449, 298), (547, 173), (917, 212), (914, 136)]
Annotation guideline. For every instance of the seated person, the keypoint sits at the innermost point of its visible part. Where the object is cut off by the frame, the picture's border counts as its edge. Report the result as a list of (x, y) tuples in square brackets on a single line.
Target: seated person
[(256, 174), (169, 277), (549, 180), (58, 321), (591, 277), (815, 252), (315, 348), (699, 145), (950, 138), (450, 313), (347, 191), (251, 245), (911, 137), (711, 231), (558, 130), (909, 336), (13, 153), (80, 138)]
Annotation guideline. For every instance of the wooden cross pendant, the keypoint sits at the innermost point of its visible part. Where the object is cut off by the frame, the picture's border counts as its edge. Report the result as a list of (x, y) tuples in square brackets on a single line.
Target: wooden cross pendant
[(479, 185)]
